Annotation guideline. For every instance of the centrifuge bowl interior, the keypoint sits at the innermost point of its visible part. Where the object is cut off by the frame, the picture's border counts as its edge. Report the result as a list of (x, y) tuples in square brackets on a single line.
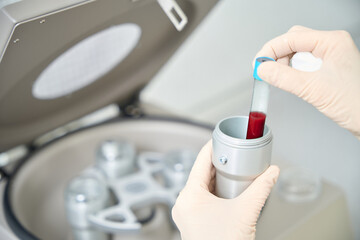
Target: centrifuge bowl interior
[(35, 193)]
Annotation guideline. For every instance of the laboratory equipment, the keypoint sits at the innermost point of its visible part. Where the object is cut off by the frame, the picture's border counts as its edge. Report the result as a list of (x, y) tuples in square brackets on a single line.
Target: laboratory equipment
[(90, 213), (85, 195), (238, 161), (299, 185), (116, 158), (147, 186), (259, 103), (179, 164), (61, 60)]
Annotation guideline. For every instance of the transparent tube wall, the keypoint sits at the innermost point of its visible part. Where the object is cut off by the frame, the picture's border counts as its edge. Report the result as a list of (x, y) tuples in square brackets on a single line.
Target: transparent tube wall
[(260, 97), (259, 103)]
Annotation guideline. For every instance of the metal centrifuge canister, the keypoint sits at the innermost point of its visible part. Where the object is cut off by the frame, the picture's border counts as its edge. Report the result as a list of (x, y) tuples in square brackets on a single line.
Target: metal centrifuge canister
[(238, 161), (84, 196), (116, 158)]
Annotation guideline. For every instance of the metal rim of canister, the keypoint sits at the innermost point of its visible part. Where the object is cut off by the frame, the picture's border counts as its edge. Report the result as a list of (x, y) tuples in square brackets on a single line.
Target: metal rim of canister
[(18, 229), (239, 142)]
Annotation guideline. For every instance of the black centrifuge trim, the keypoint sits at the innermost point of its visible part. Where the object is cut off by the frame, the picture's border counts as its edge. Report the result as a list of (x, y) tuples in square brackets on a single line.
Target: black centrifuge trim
[(11, 219)]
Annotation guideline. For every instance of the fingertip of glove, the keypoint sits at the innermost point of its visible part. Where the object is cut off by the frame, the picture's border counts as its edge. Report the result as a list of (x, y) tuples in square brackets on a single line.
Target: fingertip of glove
[(269, 72), (265, 68), (274, 169), (273, 172)]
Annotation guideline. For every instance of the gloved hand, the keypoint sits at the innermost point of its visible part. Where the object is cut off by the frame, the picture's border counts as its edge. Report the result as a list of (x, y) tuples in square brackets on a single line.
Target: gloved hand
[(335, 88), (199, 214)]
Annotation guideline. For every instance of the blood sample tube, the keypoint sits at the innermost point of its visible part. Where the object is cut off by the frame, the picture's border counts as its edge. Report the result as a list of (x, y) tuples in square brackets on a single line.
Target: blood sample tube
[(259, 103)]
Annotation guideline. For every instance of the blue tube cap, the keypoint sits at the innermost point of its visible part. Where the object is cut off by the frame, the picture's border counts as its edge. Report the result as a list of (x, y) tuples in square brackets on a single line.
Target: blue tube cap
[(259, 61)]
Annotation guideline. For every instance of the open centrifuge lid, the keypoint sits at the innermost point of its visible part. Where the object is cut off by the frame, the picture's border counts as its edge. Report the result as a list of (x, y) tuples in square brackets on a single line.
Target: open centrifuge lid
[(62, 59)]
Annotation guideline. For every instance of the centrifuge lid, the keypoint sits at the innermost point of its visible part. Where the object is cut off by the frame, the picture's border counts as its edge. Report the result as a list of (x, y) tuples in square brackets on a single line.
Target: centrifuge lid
[(46, 46)]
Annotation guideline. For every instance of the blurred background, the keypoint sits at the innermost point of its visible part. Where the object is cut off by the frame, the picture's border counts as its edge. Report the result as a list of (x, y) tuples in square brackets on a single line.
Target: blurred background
[(210, 77)]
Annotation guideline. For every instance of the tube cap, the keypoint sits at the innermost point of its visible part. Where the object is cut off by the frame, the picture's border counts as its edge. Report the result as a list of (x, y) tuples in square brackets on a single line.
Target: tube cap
[(259, 61)]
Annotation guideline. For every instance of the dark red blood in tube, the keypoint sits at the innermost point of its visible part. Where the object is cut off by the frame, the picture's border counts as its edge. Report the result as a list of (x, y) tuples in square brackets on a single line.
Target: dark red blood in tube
[(256, 125)]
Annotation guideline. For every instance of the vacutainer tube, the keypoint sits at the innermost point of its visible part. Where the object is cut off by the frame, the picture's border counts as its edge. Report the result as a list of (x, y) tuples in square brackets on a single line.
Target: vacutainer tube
[(259, 103)]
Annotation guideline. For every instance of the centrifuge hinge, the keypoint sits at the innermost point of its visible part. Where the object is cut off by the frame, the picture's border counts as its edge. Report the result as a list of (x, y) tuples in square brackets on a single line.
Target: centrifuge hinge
[(174, 13)]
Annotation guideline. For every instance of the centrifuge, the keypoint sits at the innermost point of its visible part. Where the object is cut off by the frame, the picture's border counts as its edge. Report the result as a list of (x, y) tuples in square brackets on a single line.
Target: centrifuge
[(81, 158)]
